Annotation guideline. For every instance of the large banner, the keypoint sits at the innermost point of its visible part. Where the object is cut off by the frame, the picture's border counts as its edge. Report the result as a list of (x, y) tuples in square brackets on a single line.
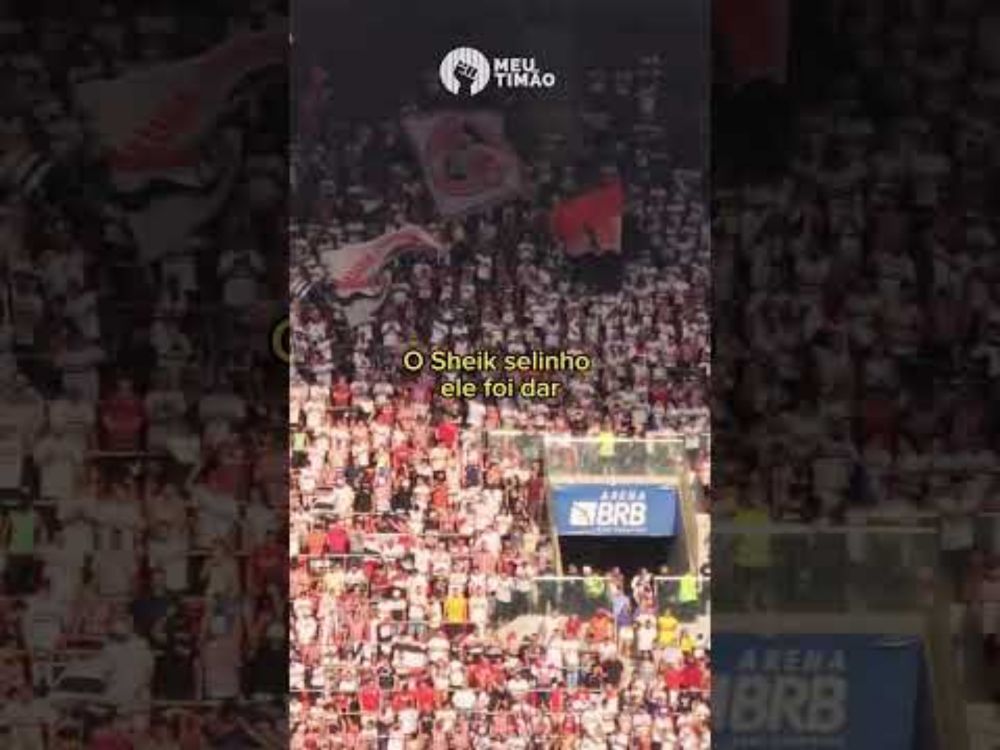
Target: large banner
[(615, 510), (804, 692), (466, 159)]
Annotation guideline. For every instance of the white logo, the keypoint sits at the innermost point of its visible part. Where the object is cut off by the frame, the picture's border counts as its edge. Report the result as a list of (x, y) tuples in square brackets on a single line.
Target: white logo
[(465, 71), (608, 514), (582, 514)]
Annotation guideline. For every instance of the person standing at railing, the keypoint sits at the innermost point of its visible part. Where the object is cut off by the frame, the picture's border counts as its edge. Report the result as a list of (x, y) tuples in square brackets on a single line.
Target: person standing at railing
[(593, 590), (752, 557), (642, 586), (606, 449), (621, 610), (688, 595)]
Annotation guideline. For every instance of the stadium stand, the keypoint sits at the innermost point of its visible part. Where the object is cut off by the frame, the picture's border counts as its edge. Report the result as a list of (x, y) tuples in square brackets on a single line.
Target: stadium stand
[(142, 461), (433, 606), (855, 354)]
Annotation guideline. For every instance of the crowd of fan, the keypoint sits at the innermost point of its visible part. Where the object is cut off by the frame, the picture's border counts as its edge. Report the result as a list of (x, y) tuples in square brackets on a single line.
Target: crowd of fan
[(426, 613), (858, 354), (859, 347), (142, 550)]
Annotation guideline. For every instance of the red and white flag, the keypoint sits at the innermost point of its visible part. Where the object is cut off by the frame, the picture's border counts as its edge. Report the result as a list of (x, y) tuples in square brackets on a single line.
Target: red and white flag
[(171, 160), (358, 269), (591, 223), (466, 159), (153, 121)]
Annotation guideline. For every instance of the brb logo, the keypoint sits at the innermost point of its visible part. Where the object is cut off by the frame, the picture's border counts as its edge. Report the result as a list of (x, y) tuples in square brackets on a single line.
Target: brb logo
[(465, 71), (619, 510), (798, 694)]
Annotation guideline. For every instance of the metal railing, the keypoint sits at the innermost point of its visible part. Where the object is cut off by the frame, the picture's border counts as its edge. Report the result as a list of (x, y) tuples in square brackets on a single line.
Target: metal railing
[(585, 596), (566, 455), (816, 569), (672, 597)]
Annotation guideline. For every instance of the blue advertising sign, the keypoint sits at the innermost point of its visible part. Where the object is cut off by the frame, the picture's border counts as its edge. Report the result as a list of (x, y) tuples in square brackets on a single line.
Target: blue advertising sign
[(804, 692), (615, 510)]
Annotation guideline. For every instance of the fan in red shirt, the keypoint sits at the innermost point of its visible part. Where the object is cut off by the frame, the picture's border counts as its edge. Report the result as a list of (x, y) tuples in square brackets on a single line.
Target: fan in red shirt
[(123, 417), (557, 701), (426, 698), (268, 562), (481, 674), (386, 415), (230, 471), (673, 678), (439, 496), (340, 394), (691, 677), (447, 434), (369, 698), (403, 698), (110, 738), (337, 540), (401, 456)]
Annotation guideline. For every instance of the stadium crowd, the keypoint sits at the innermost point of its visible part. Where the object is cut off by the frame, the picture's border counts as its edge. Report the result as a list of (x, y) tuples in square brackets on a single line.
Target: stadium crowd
[(143, 487), (857, 347), (427, 610), (858, 350)]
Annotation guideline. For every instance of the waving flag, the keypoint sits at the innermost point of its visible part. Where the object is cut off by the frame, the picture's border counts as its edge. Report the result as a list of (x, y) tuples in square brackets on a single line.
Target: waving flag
[(164, 222), (358, 269), (362, 309), (354, 276), (591, 223), (466, 159), (171, 160), (153, 121)]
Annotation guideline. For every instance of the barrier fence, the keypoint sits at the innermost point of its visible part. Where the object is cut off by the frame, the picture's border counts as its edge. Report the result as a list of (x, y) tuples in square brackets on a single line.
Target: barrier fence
[(569, 596), (568, 455), (815, 569)]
